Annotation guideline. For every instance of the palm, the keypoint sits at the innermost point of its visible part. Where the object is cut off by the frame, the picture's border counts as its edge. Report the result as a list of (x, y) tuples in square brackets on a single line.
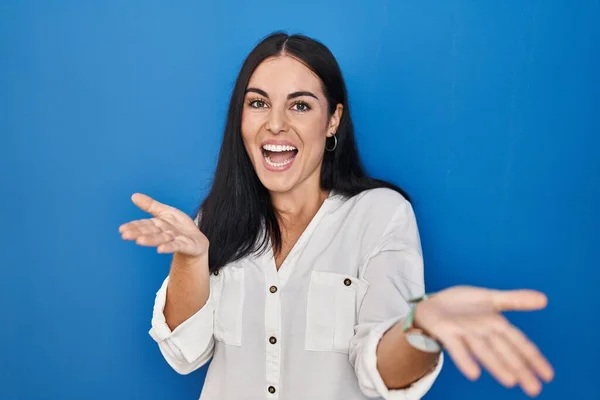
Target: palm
[(469, 324), (467, 301), (170, 230)]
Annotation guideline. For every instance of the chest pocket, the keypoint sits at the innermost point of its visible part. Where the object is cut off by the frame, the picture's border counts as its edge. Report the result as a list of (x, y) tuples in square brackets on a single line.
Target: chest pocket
[(229, 286), (333, 301)]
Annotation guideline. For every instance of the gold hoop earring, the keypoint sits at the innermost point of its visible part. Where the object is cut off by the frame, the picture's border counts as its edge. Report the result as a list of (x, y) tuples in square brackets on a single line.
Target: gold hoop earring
[(334, 144)]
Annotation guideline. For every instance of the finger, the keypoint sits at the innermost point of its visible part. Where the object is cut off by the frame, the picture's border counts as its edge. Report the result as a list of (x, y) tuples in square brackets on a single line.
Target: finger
[(148, 204), (156, 239), (132, 232), (490, 360), (518, 300), (129, 225), (178, 244), (135, 223), (459, 353), (134, 229), (181, 244), (144, 227), (521, 370), (530, 353), (161, 224)]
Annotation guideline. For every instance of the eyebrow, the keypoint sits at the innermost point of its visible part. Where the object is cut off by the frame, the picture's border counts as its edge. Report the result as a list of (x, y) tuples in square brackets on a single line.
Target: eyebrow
[(290, 96)]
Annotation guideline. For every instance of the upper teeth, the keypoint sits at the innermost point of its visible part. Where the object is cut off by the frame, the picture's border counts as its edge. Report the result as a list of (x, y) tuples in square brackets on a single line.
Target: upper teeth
[(277, 147)]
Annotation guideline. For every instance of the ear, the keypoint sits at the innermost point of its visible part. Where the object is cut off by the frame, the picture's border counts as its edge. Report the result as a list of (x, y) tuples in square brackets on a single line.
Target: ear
[(334, 120)]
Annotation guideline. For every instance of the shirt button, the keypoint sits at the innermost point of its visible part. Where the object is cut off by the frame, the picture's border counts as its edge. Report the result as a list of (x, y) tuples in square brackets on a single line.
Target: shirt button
[(271, 389), (216, 273), (273, 289), (347, 282), (272, 340)]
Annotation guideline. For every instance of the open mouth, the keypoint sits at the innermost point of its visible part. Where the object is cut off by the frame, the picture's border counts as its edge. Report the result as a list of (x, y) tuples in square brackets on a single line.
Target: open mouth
[(278, 156)]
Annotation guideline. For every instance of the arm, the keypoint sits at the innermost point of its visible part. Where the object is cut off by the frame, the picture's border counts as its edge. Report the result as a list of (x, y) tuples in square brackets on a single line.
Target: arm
[(399, 363), (182, 322), (187, 290), (182, 319), (385, 364), (190, 343), (466, 320)]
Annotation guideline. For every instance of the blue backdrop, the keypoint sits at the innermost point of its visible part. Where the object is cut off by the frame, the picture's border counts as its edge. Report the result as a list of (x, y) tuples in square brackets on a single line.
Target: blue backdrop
[(486, 112)]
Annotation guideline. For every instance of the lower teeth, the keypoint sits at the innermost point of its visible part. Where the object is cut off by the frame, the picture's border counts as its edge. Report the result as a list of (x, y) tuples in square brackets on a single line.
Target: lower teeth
[(277, 165)]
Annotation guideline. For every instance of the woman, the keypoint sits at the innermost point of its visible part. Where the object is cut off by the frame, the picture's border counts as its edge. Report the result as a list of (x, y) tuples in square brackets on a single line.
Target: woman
[(312, 286)]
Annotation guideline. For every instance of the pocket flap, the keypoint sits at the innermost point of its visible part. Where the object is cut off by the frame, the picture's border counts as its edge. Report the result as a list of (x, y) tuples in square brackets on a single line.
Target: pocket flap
[(333, 301)]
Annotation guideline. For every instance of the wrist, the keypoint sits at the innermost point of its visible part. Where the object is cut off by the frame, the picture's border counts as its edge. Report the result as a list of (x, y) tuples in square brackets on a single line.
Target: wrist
[(185, 261), (416, 334), (412, 320), (418, 308)]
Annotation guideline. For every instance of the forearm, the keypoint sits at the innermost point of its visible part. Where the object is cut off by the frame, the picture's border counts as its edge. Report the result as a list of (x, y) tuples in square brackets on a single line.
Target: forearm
[(399, 363), (187, 290)]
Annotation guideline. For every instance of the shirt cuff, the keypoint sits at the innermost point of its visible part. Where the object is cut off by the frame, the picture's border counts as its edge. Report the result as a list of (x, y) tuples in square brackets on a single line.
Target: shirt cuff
[(191, 337), (377, 387)]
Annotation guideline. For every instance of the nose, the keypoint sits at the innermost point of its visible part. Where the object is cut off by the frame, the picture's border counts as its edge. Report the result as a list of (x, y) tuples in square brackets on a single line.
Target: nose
[(277, 120)]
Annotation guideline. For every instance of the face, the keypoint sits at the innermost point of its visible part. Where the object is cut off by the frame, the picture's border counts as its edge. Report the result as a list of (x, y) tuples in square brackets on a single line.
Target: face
[(285, 124)]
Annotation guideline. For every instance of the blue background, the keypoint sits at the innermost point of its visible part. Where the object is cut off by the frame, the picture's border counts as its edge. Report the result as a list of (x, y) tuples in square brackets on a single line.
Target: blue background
[(486, 112)]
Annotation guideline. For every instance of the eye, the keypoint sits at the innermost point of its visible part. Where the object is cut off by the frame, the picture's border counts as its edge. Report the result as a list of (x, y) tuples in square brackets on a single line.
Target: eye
[(257, 104), (300, 106)]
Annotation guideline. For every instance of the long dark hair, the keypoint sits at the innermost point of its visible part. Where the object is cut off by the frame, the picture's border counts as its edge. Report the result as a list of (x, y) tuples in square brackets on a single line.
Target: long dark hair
[(237, 216)]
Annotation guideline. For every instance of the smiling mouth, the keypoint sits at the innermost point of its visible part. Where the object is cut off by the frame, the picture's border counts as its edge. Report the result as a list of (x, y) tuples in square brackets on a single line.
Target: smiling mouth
[(278, 156)]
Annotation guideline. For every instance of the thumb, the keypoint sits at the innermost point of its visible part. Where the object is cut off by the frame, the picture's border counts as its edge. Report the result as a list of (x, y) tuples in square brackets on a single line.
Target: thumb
[(148, 204), (519, 300)]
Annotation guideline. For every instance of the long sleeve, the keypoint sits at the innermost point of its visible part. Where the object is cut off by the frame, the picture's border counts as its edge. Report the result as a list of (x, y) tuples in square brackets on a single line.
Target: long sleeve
[(394, 272), (191, 344)]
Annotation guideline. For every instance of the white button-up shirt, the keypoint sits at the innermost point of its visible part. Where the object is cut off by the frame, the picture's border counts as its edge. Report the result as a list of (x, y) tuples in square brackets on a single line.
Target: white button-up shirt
[(309, 330)]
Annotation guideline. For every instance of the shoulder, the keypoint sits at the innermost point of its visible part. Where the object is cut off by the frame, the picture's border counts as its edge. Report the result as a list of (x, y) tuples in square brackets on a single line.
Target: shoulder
[(380, 204), (373, 221), (386, 198), (373, 213)]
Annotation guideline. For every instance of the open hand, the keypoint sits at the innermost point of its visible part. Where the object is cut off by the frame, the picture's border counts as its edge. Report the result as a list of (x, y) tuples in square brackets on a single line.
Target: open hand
[(468, 322), (170, 230)]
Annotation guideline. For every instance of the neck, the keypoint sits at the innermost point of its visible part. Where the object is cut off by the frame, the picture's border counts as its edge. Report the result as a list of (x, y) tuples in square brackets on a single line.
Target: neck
[(300, 204)]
